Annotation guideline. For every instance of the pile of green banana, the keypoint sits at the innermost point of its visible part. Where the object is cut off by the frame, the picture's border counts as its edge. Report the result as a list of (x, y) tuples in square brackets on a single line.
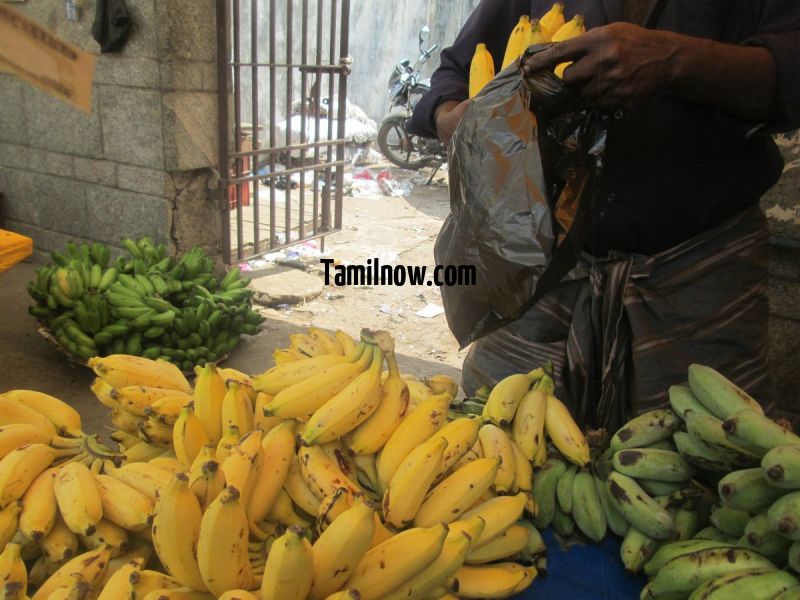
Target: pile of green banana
[(145, 303)]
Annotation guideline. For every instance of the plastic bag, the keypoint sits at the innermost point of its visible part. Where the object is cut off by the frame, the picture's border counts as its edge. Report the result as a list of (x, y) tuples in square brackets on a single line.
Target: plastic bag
[(523, 163)]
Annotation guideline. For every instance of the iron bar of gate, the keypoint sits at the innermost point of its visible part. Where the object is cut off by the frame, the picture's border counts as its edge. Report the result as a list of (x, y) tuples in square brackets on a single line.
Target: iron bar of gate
[(328, 154)]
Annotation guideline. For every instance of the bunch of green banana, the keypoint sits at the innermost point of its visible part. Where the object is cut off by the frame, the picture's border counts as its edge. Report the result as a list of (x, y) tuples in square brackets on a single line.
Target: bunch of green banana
[(145, 304)]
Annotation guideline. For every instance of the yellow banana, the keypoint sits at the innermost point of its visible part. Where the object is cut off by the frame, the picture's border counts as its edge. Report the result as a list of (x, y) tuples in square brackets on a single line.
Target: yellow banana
[(78, 498), (238, 595), (60, 544), (322, 474), (64, 418), (287, 574), (145, 581), (137, 399), (40, 508), (339, 454), (418, 426), (372, 434), (345, 595), (298, 489), (90, 565), (495, 443), (283, 512), (442, 383), (155, 432), (140, 553), (116, 586), (349, 408), (243, 379), (500, 580), (552, 20), (572, 29), (122, 370), (168, 462), (474, 453), (510, 543), (143, 477), (411, 482), (535, 35), (227, 443), (481, 70), (206, 480), (12, 568), (123, 505), (9, 521), (108, 534), (505, 397), (237, 408), (260, 420), (499, 513), (565, 433), (523, 470), (461, 434), (282, 356), (453, 496), (347, 343), (167, 408), (449, 561), (188, 436), (241, 466), (528, 425), (13, 412), (386, 566), (277, 451), (418, 392), (176, 530), (340, 548), (21, 434), (307, 345), (327, 340), (142, 452), (284, 375), (332, 507), (209, 392), (222, 546), (472, 528), (301, 399), (125, 421), (20, 467), (518, 35), (102, 391), (367, 471)]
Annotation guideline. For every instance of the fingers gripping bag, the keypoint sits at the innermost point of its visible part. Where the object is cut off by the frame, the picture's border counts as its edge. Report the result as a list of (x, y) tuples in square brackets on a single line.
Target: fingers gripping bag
[(523, 163)]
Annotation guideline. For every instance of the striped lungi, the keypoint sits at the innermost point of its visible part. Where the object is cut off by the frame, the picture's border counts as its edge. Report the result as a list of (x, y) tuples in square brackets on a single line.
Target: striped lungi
[(621, 329)]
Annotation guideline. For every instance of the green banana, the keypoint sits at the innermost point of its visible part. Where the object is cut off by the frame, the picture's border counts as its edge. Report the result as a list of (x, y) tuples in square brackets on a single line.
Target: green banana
[(729, 520), (754, 583), (637, 549), (683, 574), (616, 522), (545, 482), (639, 509), (718, 394), (587, 511), (793, 557), (759, 535), (709, 430), (562, 523), (748, 490), (713, 534), (687, 522), (700, 454), (681, 399), (660, 488), (781, 466), (784, 516), (757, 431), (675, 549), (790, 594), (658, 465), (564, 488), (646, 429)]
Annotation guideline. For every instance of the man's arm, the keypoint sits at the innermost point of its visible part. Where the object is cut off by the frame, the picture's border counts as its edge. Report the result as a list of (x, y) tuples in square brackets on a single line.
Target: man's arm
[(621, 63)]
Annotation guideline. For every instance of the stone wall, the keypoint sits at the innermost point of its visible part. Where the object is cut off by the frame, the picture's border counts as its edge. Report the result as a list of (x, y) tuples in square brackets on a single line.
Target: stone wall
[(782, 207), (141, 162)]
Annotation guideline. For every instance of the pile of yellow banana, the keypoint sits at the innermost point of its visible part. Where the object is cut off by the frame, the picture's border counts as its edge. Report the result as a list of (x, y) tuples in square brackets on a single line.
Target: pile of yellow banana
[(323, 477), (551, 27)]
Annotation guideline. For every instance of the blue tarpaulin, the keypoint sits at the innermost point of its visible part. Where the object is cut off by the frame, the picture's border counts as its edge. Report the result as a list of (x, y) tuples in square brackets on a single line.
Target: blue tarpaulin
[(584, 572)]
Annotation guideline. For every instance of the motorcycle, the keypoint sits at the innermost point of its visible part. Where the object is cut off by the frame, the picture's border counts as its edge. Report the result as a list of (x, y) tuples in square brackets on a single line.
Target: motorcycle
[(400, 147)]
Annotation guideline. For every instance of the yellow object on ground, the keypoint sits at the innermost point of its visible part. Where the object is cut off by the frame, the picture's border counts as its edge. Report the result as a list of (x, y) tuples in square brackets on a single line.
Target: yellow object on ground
[(13, 248)]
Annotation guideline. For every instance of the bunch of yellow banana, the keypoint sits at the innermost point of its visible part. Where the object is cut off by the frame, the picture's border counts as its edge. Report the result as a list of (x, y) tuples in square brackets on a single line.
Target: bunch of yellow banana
[(525, 404), (316, 342)]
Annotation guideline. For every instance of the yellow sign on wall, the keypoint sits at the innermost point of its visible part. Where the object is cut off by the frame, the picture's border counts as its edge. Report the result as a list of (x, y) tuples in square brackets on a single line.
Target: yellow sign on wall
[(42, 58)]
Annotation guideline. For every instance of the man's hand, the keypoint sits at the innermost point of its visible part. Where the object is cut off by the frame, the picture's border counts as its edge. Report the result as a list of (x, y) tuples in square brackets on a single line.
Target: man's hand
[(448, 115), (614, 65)]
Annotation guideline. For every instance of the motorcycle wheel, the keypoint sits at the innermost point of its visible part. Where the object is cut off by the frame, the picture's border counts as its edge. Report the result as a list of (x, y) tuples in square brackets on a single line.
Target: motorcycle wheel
[(400, 147)]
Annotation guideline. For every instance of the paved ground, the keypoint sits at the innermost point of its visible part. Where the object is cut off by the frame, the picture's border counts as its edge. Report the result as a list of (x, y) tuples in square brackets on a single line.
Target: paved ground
[(397, 229)]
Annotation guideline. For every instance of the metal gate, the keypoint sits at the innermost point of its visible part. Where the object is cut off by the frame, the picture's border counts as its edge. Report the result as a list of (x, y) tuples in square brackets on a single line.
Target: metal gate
[(283, 67)]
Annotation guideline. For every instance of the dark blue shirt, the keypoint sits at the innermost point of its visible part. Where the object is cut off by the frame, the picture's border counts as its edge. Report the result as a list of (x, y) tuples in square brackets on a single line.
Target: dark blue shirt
[(672, 168)]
